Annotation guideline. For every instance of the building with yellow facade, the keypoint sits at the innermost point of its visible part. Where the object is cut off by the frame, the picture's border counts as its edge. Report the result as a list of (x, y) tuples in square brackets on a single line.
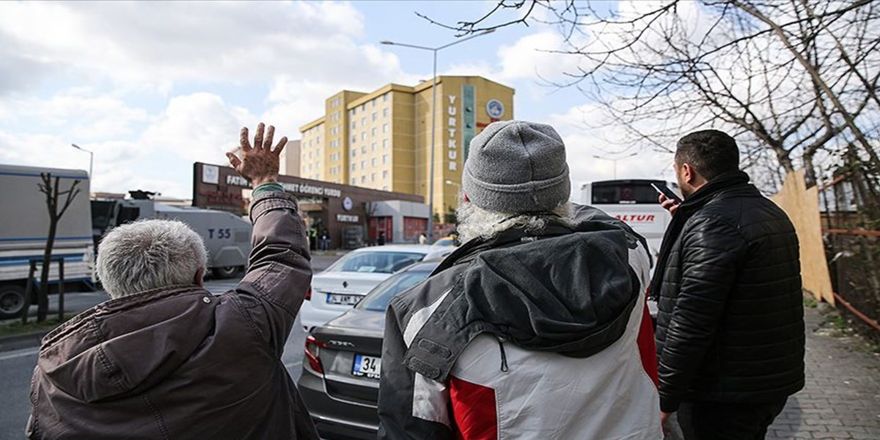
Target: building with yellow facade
[(382, 140)]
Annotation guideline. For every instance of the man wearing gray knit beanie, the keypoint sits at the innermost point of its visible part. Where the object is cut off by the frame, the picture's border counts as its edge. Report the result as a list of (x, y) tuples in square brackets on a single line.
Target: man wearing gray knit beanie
[(536, 327)]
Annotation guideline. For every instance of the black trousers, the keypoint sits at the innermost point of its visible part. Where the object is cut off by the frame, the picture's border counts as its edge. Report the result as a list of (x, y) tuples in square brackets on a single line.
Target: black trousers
[(723, 421)]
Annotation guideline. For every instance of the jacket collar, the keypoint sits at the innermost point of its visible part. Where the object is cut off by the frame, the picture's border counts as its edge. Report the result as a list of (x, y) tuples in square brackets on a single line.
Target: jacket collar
[(707, 192), (507, 238)]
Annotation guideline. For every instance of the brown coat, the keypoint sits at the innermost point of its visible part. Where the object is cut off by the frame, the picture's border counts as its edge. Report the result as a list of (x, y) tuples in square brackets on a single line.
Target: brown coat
[(180, 363)]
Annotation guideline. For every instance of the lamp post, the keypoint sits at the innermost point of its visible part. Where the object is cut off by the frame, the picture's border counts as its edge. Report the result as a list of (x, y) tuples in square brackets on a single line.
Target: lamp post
[(614, 161), (434, 51), (91, 158)]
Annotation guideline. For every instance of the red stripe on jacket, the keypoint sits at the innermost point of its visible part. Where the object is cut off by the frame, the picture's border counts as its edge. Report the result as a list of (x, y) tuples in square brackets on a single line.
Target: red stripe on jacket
[(647, 347), (473, 409)]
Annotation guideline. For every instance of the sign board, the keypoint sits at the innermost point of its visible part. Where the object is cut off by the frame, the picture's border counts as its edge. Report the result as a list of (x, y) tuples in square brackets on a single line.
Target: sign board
[(296, 188), (347, 218)]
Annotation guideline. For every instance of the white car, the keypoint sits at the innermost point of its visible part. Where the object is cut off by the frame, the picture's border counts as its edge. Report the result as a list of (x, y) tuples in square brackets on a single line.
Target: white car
[(343, 284)]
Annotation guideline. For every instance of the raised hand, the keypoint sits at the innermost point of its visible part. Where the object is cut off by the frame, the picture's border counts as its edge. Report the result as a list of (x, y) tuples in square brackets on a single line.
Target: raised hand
[(258, 164)]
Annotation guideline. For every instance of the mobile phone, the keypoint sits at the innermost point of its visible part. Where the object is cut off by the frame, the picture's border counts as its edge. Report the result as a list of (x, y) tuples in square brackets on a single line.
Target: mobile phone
[(663, 189)]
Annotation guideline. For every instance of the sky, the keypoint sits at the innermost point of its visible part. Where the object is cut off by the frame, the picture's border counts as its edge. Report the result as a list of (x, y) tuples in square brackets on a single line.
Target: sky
[(152, 87)]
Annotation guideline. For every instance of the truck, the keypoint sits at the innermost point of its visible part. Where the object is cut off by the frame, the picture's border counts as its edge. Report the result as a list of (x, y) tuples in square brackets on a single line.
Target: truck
[(24, 227), (226, 236)]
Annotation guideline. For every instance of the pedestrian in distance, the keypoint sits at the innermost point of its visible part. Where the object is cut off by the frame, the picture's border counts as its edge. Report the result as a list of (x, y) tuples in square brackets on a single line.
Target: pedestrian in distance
[(537, 326), (730, 330), (381, 240), (423, 239), (166, 359)]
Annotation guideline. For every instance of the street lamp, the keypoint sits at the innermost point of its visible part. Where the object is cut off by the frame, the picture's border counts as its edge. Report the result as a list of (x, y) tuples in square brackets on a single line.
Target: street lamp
[(91, 157), (614, 161), (434, 50)]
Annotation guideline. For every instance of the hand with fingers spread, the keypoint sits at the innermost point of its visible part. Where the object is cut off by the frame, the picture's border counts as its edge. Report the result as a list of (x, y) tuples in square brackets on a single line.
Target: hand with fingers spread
[(258, 163)]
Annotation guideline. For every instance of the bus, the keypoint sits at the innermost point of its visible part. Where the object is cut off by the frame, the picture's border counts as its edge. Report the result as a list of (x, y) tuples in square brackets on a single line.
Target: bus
[(633, 201)]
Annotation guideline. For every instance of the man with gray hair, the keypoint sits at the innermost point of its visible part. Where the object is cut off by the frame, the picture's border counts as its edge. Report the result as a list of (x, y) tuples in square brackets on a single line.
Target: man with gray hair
[(537, 326), (165, 359)]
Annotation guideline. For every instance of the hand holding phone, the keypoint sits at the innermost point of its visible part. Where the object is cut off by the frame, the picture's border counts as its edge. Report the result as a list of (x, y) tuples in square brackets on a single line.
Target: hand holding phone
[(663, 189), (668, 199)]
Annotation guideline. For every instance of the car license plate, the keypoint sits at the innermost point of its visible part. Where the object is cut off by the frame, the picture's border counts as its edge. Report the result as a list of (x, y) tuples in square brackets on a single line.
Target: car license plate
[(344, 300), (367, 366)]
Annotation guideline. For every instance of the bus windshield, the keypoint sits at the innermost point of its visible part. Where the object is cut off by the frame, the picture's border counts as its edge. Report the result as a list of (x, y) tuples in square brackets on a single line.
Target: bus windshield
[(625, 192)]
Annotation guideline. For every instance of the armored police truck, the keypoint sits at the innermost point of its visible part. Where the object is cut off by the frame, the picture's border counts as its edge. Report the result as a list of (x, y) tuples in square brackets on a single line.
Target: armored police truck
[(226, 236)]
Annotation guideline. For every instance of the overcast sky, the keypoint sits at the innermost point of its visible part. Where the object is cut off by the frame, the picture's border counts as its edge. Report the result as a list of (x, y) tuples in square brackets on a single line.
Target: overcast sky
[(153, 87)]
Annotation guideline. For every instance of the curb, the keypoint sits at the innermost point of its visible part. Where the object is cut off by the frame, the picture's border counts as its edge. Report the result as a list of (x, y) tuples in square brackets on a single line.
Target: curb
[(15, 342)]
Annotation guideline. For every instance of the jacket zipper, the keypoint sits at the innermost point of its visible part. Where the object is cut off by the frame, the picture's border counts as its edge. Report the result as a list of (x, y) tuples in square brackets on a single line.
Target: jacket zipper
[(504, 367)]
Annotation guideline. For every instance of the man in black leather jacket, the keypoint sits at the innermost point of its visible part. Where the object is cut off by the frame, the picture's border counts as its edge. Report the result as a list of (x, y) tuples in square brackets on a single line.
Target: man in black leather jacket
[(730, 330)]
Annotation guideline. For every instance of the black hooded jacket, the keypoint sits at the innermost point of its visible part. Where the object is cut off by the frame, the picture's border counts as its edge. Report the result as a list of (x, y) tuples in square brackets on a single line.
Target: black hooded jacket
[(730, 323)]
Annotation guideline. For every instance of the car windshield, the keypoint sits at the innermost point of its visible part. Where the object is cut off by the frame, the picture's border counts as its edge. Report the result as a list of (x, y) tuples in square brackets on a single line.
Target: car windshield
[(379, 298), (375, 262)]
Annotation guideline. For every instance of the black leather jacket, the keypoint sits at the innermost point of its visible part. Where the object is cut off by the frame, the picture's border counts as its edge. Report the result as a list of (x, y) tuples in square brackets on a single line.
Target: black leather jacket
[(730, 323)]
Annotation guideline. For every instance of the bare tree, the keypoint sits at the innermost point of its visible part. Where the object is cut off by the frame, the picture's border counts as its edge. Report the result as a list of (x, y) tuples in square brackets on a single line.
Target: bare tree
[(794, 80), (50, 187)]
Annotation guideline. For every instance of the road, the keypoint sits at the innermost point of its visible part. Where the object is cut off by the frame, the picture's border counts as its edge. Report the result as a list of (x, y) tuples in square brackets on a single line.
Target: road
[(17, 366)]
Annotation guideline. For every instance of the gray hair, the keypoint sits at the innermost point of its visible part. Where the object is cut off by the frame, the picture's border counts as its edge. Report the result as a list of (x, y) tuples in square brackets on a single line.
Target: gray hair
[(149, 254), (476, 222)]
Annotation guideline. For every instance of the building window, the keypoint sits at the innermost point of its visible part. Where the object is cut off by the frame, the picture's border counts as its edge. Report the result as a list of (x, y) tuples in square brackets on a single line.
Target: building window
[(363, 165), (385, 143), (354, 167), (353, 181), (385, 175), (364, 149), (375, 116), (373, 132), (373, 177), (384, 128), (385, 113), (363, 122), (374, 103), (353, 124), (353, 111), (373, 147), (363, 179), (354, 153), (373, 162), (384, 159), (364, 136), (354, 138)]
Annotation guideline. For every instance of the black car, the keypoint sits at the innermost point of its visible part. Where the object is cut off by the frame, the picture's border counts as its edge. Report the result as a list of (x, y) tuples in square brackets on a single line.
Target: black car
[(340, 378)]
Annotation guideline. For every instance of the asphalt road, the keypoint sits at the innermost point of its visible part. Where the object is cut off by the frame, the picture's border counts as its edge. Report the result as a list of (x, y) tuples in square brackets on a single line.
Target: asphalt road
[(17, 366)]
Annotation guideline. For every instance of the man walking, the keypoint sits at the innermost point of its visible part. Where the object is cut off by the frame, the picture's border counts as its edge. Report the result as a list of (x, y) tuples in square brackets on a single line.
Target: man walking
[(730, 331), (165, 359), (537, 326)]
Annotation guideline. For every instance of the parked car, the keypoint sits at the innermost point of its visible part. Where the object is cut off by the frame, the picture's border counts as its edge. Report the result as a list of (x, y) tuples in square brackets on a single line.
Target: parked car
[(345, 282), (446, 242), (340, 379)]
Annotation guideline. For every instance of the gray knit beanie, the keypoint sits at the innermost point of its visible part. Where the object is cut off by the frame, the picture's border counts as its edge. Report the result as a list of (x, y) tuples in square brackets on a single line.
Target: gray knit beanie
[(517, 167)]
